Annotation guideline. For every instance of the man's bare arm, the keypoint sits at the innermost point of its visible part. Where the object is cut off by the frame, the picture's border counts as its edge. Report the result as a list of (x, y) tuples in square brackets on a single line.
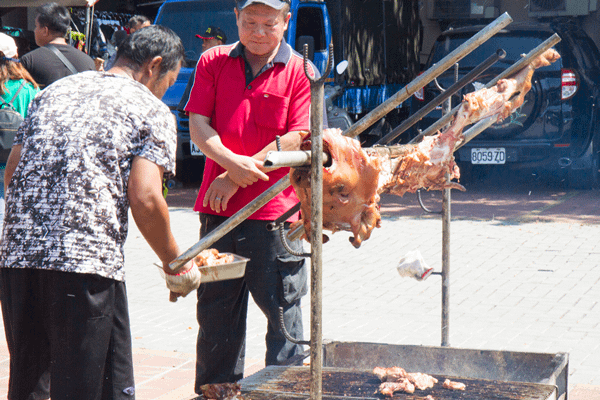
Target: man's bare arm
[(150, 210), (243, 170)]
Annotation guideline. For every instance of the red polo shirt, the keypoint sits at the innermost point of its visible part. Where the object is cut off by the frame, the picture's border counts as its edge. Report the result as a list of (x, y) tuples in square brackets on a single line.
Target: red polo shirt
[(248, 114)]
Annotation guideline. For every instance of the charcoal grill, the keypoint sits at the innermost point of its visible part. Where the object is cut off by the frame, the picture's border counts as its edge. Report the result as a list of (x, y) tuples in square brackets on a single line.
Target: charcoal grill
[(277, 382)]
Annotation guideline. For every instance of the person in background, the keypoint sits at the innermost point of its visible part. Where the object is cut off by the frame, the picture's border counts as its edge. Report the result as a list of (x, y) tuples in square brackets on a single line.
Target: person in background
[(13, 77), (117, 38), (213, 36), (93, 146), (18, 88), (51, 26), (245, 95), (138, 22)]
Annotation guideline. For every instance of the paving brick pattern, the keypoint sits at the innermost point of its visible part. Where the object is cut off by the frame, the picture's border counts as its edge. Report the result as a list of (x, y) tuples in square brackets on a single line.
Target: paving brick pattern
[(522, 286)]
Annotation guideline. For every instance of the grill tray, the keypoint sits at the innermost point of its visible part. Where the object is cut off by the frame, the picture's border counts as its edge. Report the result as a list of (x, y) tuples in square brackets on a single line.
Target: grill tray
[(277, 382)]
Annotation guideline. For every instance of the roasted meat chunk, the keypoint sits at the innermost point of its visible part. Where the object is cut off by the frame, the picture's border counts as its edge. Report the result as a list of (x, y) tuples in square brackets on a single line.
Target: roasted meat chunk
[(220, 391), (452, 385)]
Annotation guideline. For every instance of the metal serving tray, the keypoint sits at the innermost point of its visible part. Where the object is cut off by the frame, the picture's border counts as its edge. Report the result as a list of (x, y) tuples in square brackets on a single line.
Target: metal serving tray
[(223, 272)]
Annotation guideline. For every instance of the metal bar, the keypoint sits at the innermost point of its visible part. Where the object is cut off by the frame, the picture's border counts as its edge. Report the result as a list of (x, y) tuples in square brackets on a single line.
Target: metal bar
[(316, 227), (548, 43), (465, 80), (271, 226), (89, 14), (299, 158), (231, 223), (446, 218), (477, 129), (429, 75)]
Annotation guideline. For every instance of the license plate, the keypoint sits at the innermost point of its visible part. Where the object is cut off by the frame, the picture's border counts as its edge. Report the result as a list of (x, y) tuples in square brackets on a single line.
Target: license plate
[(194, 150), (488, 156)]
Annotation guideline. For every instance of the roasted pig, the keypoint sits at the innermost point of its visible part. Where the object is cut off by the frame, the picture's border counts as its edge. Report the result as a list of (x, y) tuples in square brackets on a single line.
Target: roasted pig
[(355, 177), (350, 199), (425, 164)]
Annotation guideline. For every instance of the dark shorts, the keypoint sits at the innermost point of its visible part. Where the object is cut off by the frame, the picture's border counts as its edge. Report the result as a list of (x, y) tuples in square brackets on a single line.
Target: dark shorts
[(67, 328)]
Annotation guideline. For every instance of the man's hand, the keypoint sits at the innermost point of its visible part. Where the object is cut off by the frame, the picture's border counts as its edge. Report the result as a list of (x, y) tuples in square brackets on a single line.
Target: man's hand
[(244, 171), (219, 192), (184, 282)]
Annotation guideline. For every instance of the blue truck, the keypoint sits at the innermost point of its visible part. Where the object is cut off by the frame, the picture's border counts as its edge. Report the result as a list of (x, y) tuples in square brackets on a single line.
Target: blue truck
[(378, 40)]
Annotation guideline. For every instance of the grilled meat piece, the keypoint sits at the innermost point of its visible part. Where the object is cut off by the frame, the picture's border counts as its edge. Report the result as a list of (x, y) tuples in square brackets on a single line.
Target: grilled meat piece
[(211, 257), (403, 385), (422, 381), (220, 391), (390, 374), (448, 384)]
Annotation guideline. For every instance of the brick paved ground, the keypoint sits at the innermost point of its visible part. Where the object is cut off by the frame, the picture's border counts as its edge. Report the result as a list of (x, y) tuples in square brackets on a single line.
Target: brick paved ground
[(516, 284)]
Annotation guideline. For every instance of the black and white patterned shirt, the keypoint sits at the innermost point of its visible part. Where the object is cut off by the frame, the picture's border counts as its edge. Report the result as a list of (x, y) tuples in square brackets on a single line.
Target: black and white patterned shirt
[(67, 205)]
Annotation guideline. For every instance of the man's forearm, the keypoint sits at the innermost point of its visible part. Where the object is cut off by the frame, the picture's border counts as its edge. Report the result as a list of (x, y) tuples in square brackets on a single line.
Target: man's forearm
[(209, 141), (150, 210)]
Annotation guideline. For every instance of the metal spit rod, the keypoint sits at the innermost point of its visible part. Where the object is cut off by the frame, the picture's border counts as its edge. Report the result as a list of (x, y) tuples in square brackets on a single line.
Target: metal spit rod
[(465, 80), (355, 130), (548, 43), (296, 158), (429, 75)]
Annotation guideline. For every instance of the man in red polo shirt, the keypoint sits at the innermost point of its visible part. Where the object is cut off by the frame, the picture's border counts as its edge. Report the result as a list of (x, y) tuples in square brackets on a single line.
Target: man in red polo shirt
[(244, 95)]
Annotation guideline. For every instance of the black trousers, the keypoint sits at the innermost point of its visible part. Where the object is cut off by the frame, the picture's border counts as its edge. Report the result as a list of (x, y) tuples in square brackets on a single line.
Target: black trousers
[(70, 330), (273, 276)]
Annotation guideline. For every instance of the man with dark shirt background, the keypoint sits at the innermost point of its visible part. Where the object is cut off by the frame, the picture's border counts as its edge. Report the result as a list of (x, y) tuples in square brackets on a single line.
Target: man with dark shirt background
[(213, 36), (51, 26)]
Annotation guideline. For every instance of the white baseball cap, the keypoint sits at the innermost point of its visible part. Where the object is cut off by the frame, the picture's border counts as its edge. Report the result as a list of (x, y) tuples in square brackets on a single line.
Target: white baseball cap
[(276, 4), (7, 45)]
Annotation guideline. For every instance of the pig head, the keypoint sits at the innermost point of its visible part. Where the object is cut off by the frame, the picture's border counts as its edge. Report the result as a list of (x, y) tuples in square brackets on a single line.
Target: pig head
[(350, 181)]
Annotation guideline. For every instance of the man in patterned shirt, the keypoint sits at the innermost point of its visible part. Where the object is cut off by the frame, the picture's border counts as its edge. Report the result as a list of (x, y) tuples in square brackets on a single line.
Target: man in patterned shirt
[(93, 145)]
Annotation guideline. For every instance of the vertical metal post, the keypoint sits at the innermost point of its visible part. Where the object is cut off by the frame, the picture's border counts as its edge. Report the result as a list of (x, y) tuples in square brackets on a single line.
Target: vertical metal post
[(446, 266), (89, 20), (316, 227), (446, 217)]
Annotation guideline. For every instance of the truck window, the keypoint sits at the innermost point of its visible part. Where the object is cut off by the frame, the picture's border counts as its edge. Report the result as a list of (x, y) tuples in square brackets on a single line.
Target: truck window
[(309, 22), (188, 18)]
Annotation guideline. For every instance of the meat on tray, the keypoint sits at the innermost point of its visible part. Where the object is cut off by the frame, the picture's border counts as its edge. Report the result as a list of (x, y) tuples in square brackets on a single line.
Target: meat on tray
[(220, 391), (211, 257), (355, 177), (396, 379)]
